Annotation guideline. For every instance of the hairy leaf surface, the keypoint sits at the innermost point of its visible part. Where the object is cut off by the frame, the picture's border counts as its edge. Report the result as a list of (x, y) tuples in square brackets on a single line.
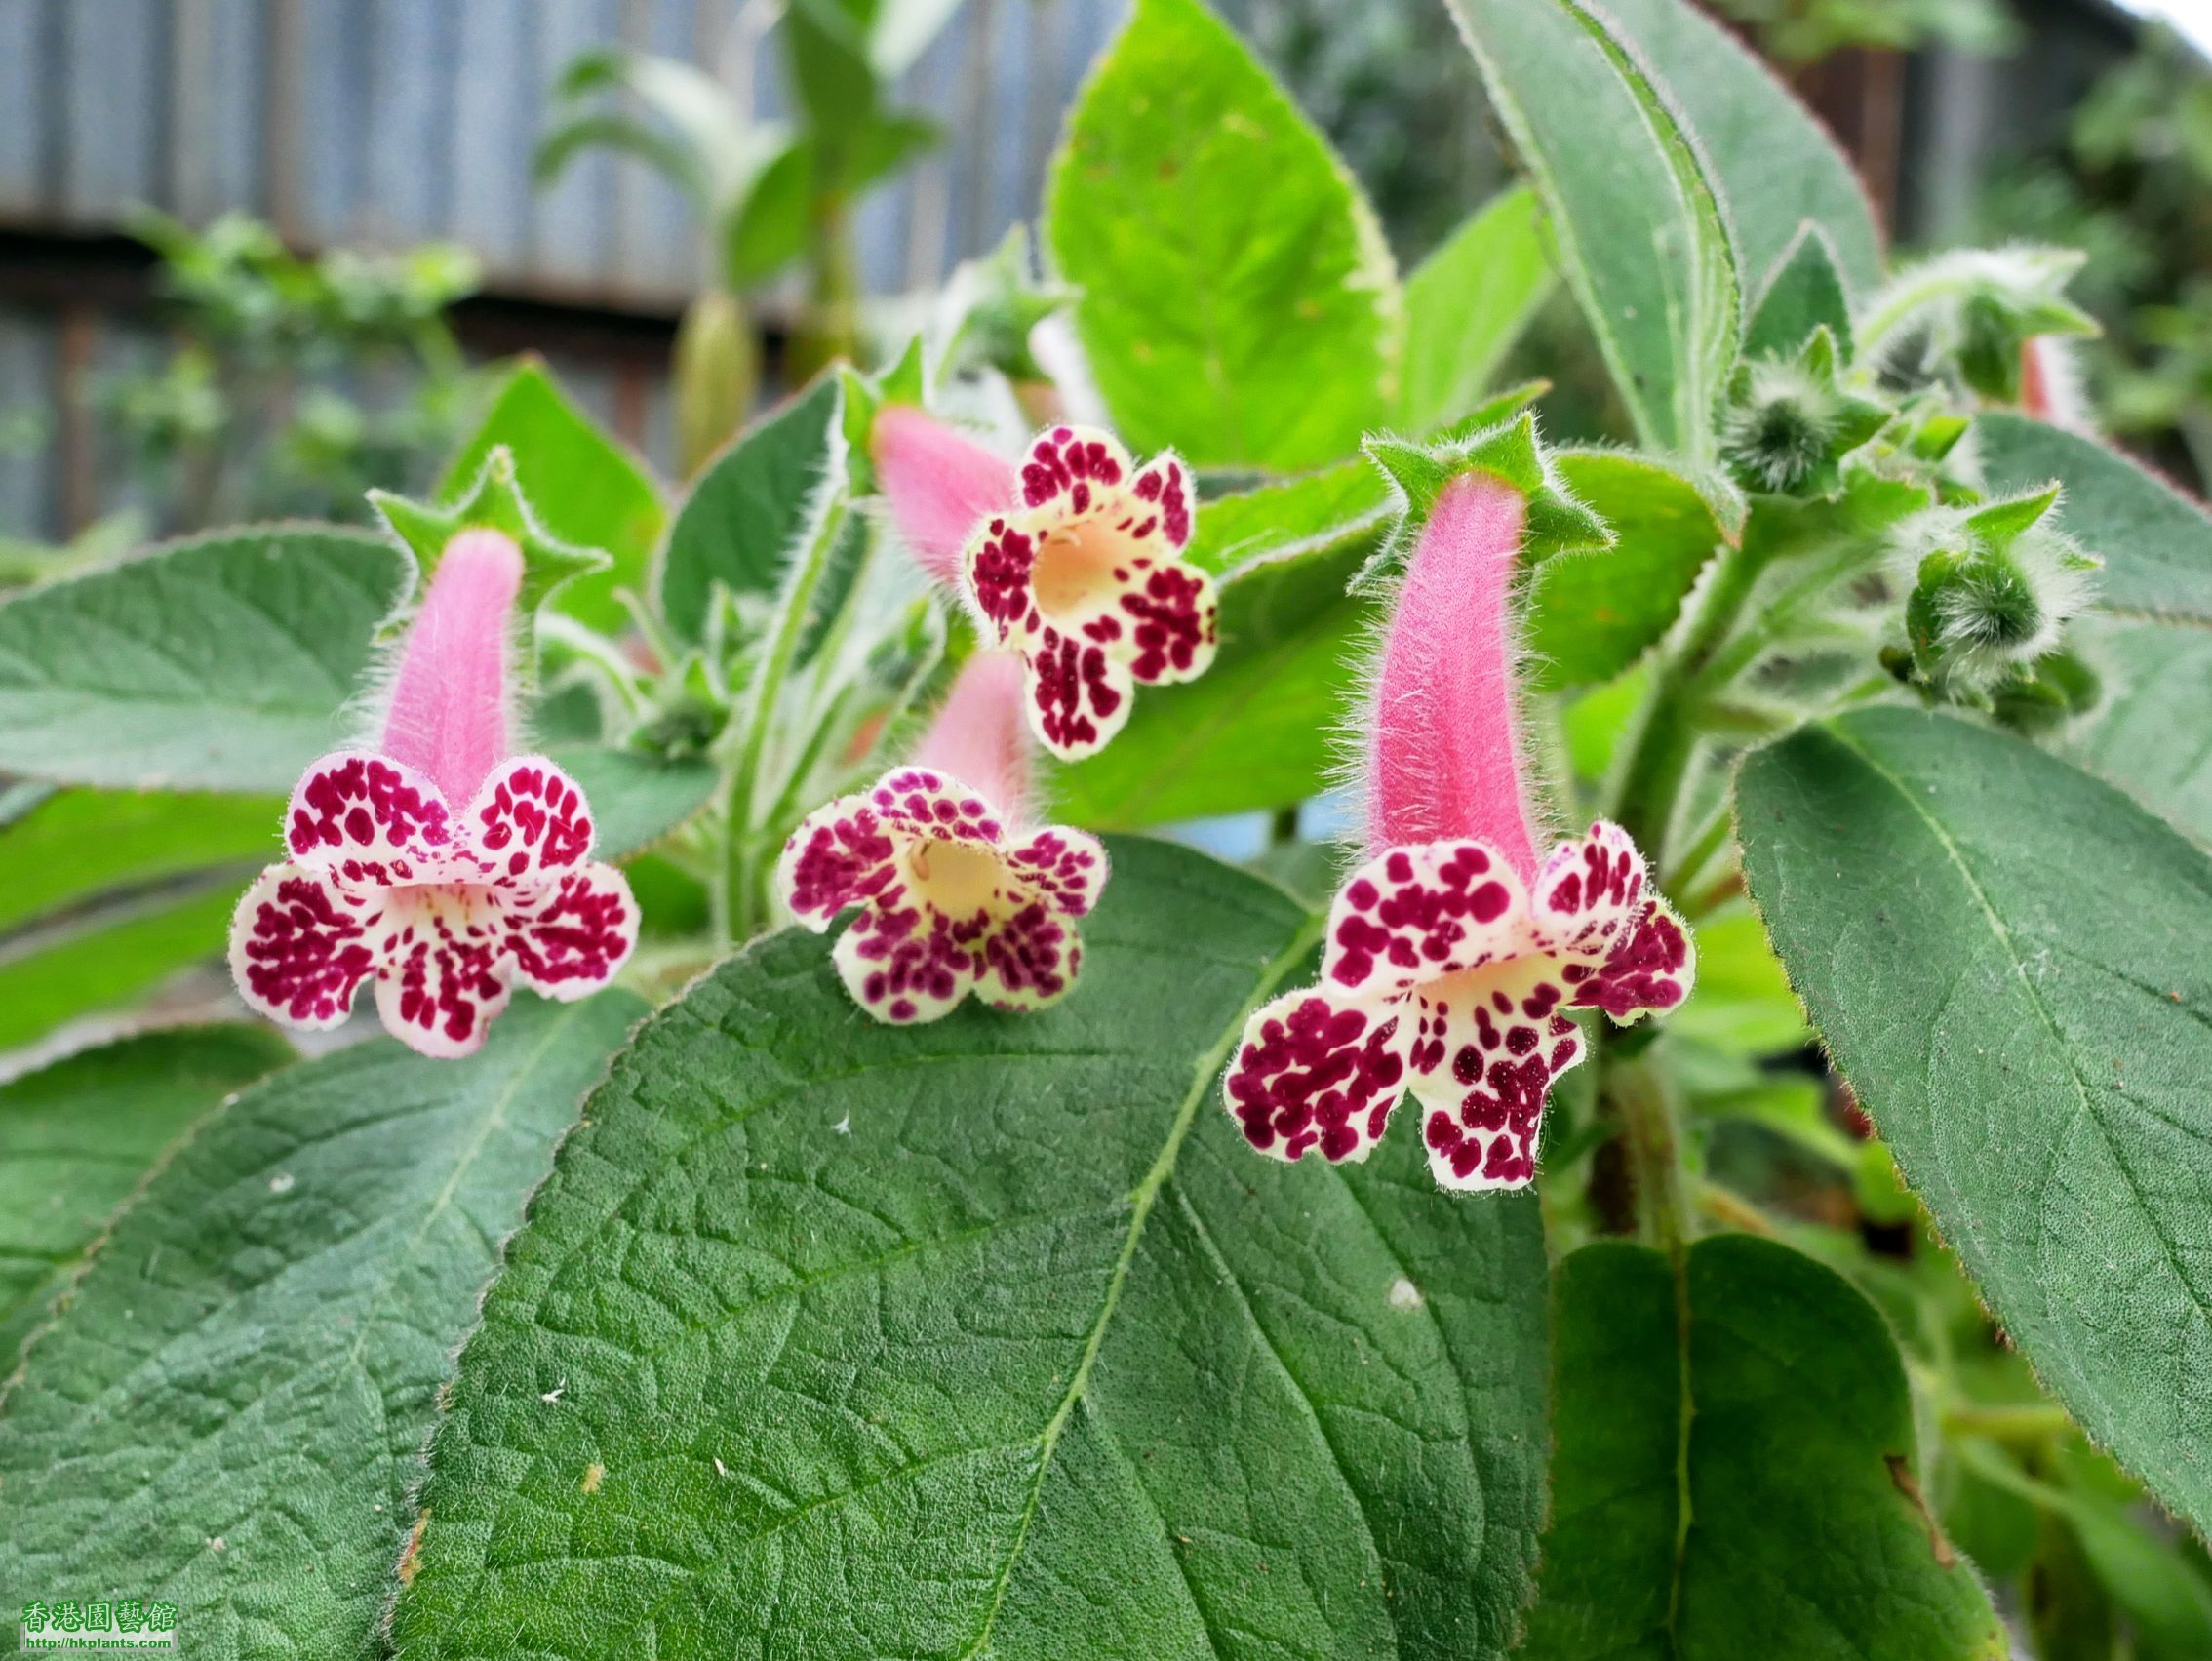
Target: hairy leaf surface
[(228, 1413), (1238, 300), (1736, 1473), (77, 1136), (2007, 959), (988, 1338), (218, 663)]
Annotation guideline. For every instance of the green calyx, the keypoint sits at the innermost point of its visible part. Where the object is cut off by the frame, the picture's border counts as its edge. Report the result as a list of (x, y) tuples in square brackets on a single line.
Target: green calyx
[(1511, 451), (494, 501)]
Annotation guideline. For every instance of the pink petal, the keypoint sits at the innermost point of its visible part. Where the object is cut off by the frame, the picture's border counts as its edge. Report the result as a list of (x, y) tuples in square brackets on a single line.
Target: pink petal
[(904, 964), (1589, 891), (528, 818), (438, 992), (1443, 756), (939, 485), (843, 853), (370, 820), (1651, 967), (1160, 491), (449, 708), (1171, 623), (1418, 914), (1029, 959), (1490, 1042), (1070, 469), (1065, 867), (1318, 1069), (300, 946), (568, 940), (980, 737), (1080, 694)]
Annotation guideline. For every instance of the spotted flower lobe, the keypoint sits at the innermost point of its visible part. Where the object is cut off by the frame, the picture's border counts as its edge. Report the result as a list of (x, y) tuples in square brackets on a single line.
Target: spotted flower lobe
[(1445, 974), (952, 899), (1085, 579), (446, 911)]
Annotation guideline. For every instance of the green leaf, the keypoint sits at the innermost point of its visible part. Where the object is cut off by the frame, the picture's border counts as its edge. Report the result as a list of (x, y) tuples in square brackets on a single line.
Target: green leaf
[(635, 799), (77, 843), (1804, 293), (2154, 644), (494, 501), (1257, 729), (1775, 165), (585, 488), (229, 1413), (1239, 302), (1641, 239), (988, 1338), (108, 958), (1741, 1479), (2007, 959), (1467, 303), (753, 507), (77, 1136), (1592, 614), (218, 663)]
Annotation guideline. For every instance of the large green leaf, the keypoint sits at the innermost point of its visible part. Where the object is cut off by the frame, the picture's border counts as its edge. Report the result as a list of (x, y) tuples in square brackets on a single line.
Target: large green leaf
[(1735, 1472), (1592, 614), (218, 663), (111, 956), (1467, 303), (76, 844), (988, 1338), (585, 488), (2007, 959), (2152, 643), (1238, 302), (753, 507), (1775, 165), (1642, 238), (229, 1412), (78, 1137)]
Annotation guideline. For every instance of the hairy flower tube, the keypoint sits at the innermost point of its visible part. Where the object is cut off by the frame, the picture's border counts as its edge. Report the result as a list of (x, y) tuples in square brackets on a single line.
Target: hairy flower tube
[(448, 907), (955, 894), (1073, 561), (1453, 955)]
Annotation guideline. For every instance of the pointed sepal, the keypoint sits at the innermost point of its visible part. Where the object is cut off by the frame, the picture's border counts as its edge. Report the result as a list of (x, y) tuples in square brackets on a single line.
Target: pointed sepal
[(1804, 291), (493, 501), (1556, 523)]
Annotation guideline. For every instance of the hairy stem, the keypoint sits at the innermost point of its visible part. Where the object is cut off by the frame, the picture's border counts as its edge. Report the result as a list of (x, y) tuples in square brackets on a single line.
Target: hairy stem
[(1640, 1096)]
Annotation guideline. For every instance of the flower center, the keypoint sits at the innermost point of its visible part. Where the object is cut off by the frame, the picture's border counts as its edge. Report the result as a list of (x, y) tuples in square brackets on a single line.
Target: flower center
[(1076, 568), (958, 878), (457, 909)]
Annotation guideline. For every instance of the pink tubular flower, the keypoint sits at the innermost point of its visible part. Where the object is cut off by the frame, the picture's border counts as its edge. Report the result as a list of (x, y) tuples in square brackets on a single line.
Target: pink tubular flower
[(1452, 955), (1074, 562), (954, 894), (448, 909)]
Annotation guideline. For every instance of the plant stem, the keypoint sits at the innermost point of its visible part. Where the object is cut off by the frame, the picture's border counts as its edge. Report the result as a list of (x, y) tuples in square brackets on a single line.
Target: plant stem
[(743, 907), (2027, 1423), (1667, 741), (1640, 1096)]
